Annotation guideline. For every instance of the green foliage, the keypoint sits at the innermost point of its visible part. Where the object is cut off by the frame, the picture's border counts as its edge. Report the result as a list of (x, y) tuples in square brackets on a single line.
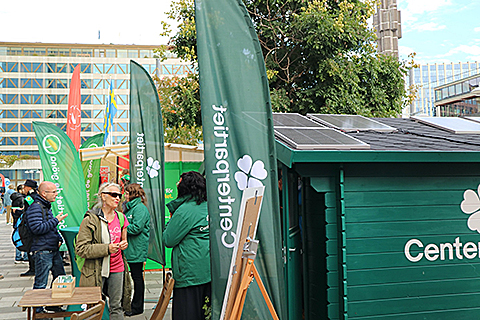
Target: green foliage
[(320, 56), (8, 161), (180, 101)]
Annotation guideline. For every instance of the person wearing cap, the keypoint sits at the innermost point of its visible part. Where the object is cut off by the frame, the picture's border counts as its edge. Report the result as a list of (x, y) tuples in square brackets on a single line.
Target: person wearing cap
[(30, 191), (8, 204)]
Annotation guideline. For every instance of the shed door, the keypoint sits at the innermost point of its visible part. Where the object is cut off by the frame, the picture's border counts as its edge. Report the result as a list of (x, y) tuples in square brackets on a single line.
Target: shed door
[(293, 242)]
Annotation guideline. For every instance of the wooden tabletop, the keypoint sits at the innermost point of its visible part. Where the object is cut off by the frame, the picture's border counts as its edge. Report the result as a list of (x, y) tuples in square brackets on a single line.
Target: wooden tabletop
[(43, 297)]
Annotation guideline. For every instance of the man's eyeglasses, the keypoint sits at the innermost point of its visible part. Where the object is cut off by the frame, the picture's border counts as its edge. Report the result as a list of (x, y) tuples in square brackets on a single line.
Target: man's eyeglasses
[(56, 191), (114, 194)]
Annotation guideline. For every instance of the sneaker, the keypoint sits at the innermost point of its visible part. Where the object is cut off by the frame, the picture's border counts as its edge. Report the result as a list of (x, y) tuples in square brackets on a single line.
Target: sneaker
[(27, 274), (18, 261)]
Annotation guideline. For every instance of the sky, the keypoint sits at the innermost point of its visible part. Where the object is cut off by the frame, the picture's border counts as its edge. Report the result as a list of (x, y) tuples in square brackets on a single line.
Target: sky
[(440, 30), (53, 21), (436, 30)]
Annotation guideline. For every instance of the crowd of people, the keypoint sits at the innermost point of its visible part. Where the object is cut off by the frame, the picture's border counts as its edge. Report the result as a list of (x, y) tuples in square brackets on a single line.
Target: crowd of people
[(113, 241)]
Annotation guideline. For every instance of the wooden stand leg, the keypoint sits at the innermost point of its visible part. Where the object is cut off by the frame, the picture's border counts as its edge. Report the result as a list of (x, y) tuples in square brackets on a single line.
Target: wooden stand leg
[(164, 298)]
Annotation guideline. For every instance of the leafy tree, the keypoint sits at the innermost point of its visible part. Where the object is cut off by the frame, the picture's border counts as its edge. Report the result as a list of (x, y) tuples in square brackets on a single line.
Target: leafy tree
[(180, 101), (320, 56)]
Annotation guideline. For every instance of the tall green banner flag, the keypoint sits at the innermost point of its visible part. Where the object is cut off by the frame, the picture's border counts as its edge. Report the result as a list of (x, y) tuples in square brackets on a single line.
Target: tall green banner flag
[(61, 165), (146, 153), (239, 148), (91, 169)]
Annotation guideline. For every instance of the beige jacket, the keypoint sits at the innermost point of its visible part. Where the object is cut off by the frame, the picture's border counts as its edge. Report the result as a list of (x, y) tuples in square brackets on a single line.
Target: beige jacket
[(89, 246)]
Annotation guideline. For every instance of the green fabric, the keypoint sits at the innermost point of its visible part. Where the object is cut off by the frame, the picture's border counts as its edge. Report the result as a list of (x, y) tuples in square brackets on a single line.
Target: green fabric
[(187, 234), (174, 204), (91, 169), (239, 148), (138, 231), (61, 165), (146, 152)]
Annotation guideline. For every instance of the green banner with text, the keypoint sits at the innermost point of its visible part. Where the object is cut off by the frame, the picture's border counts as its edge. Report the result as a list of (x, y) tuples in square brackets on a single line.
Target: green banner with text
[(239, 149), (147, 153), (91, 169), (61, 165)]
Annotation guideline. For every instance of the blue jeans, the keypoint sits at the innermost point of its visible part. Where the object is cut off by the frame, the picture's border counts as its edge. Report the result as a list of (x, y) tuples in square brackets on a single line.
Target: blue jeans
[(45, 261), (20, 256)]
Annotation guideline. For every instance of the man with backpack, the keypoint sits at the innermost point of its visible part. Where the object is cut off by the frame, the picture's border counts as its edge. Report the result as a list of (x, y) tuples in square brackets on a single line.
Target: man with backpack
[(18, 199), (46, 238), (29, 190)]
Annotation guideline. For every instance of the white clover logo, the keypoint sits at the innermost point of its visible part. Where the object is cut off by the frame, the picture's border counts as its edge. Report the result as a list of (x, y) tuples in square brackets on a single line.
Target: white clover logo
[(152, 167), (250, 175), (471, 204)]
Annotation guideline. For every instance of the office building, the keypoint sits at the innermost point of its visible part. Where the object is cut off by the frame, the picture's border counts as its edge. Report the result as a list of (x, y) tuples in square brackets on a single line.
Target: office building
[(426, 77), (34, 86)]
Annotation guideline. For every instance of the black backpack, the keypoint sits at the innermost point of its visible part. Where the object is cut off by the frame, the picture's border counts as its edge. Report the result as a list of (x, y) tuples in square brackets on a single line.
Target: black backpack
[(22, 237)]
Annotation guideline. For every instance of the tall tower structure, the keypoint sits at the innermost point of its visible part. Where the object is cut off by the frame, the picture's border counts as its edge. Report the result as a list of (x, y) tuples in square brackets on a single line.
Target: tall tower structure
[(388, 27)]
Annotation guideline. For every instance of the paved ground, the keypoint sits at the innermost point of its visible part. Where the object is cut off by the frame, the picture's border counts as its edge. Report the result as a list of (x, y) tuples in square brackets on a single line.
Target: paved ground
[(12, 287)]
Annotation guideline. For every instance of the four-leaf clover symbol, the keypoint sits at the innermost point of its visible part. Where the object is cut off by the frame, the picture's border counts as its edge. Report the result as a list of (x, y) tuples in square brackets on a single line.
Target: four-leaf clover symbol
[(152, 167), (250, 175), (471, 204)]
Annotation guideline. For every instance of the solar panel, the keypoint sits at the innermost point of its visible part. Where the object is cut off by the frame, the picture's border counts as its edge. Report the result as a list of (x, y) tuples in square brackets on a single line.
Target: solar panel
[(451, 124), (348, 122), (294, 120), (318, 139)]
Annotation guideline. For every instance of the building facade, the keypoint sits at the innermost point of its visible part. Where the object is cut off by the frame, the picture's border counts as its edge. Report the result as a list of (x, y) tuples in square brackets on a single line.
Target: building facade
[(35, 80), (426, 77), (388, 27), (459, 98)]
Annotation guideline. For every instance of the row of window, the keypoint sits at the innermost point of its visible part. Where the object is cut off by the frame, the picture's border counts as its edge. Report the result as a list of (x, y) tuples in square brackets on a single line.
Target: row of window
[(74, 52), (96, 99), (86, 127), (31, 141), (95, 68), (56, 114), (457, 89), (33, 83)]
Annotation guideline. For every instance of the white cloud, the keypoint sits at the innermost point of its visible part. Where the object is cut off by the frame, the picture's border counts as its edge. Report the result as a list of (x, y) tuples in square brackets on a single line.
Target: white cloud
[(430, 26), (411, 9), (477, 29)]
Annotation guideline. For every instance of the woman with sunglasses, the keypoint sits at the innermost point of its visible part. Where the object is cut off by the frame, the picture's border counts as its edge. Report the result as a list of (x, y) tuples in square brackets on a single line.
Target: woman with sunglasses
[(101, 240), (138, 234)]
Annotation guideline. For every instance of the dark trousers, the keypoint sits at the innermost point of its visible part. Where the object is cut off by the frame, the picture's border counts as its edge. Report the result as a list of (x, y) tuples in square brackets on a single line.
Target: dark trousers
[(188, 302), (31, 262), (136, 270)]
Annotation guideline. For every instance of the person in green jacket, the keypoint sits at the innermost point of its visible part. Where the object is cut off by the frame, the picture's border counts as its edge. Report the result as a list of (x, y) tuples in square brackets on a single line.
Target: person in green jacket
[(138, 234), (188, 234)]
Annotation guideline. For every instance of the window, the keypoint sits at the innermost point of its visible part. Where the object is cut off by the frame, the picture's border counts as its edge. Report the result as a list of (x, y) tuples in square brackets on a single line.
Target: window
[(8, 141), (86, 99), (122, 53), (133, 53), (109, 68), (98, 84), (26, 127), (11, 83), (11, 98), (98, 99), (86, 83), (146, 53), (122, 84), (86, 114), (122, 68), (110, 53), (11, 127)]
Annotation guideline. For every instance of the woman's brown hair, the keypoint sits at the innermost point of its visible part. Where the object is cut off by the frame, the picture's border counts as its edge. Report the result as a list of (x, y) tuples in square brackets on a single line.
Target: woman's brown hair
[(134, 191)]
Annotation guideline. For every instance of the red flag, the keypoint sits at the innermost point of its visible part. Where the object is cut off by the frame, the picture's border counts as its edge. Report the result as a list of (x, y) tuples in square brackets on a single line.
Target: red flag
[(74, 109)]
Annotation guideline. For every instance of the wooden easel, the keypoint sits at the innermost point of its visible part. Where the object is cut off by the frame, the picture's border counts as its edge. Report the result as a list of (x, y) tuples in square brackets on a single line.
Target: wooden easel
[(242, 268), (164, 298), (250, 272)]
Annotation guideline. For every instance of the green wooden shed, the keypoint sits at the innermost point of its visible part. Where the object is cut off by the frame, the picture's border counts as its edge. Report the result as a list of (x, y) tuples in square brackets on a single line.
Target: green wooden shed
[(380, 216)]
